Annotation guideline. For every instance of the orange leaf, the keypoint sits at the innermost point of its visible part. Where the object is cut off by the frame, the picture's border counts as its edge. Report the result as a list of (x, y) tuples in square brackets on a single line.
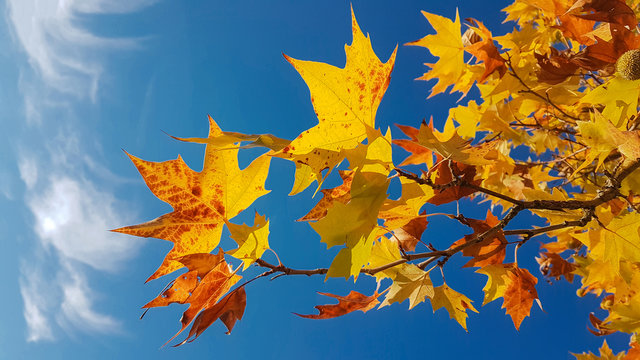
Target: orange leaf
[(229, 309), (444, 176), (553, 265), (611, 11), (179, 291), (210, 289), (555, 68), (201, 201), (598, 55), (409, 235), (519, 295), (339, 193), (600, 329), (491, 251), (486, 51), (181, 288), (346, 304)]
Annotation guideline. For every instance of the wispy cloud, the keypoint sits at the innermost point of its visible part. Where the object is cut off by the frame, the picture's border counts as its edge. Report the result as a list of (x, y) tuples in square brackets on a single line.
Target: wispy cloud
[(66, 55), (77, 308), (36, 305), (73, 217), (67, 191)]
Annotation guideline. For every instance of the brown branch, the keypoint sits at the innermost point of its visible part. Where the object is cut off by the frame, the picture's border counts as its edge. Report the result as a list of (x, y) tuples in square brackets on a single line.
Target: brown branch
[(609, 192)]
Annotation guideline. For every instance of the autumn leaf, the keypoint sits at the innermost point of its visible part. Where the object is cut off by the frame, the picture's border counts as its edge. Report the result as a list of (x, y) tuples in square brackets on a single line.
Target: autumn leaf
[(230, 139), (410, 283), (229, 310), (554, 266), (346, 304), (409, 235), (486, 51), (419, 154), (252, 240), (454, 302), (444, 176), (201, 201), (490, 251), (605, 354), (519, 294), (497, 281), (339, 193), (555, 67), (207, 293), (447, 45), (345, 101), (619, 240), (515, 285)]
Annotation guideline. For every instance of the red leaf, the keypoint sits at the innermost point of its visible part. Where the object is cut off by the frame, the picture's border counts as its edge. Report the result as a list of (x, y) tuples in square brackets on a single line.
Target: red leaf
[(490, 251), (229, 309), (444, 176), (346, 304)]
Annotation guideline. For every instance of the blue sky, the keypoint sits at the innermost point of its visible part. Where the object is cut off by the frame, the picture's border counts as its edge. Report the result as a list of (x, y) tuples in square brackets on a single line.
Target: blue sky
[(84, 79)]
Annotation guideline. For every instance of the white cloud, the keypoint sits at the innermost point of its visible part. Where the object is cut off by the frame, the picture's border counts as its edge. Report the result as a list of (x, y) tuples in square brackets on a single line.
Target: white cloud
[(73, 217), (72, 209), (65, 54), (77, 307), (36, 305), (28, 171)]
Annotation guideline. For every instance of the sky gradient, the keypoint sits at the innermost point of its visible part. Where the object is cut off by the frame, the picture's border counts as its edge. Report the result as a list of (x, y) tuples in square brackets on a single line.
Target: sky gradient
[(85, 79)]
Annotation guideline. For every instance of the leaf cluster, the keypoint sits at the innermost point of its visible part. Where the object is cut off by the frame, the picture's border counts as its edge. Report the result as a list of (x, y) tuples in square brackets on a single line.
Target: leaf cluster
[(550, 86)]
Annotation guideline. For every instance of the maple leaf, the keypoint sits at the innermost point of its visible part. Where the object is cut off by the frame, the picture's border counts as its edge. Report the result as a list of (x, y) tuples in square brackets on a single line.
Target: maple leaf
[(553, 265), (206, 294), (611, 11), (619, 98), (447, 45), (339, 193), (556, 67), (346, 304), (201, 201), (410, 283), (229, 310), (409, 234), (230, 139), (454, 302), (519, 294), (252, 240), (620, 239), (419, 154), (179, 290), (444, 177), (497, 281), (490, 251), (486, 51), (345, 101), (354, 224), (605, 354), (515, 285)]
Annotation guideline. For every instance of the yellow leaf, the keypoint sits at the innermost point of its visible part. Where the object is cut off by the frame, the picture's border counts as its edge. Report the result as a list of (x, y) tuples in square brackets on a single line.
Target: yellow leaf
[(447, 45), (201, 201), (384, 252), (351, 259), (456, 303), (349, 223), (619, 97), (345, 101), (252, 240), (496, 283), (619, 240), (605, 354), (411, 283)]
